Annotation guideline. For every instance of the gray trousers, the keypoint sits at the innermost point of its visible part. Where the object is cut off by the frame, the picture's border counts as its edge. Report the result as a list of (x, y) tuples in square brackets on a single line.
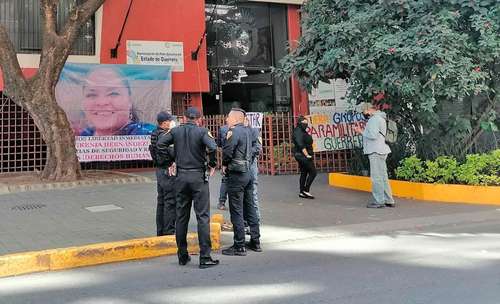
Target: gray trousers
[(381, 190)]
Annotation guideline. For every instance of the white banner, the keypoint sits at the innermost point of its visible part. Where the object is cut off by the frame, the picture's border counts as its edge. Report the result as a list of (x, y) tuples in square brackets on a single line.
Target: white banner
[(156, 53), (112, 148), (255, 119)]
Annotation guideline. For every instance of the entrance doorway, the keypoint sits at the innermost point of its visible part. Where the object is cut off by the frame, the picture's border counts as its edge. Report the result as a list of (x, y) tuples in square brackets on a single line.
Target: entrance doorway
[(251, 97)]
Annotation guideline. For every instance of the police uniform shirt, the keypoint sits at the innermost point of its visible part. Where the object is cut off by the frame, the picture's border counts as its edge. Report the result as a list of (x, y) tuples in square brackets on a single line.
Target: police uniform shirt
[(236, 144), (191, 145)]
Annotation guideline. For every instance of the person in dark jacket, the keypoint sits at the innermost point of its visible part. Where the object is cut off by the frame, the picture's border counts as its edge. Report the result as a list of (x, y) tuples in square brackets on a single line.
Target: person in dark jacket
[(236, 161), (303, 152), (192, 144), (165, 208), (221, 140)]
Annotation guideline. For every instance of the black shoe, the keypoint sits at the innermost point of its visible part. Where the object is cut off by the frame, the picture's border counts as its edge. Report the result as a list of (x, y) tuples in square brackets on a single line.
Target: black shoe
[(208, 262), (184, 259), (302, 195), (375, 206), (239, 251), (308, 195), (390, 205), (254, 246)]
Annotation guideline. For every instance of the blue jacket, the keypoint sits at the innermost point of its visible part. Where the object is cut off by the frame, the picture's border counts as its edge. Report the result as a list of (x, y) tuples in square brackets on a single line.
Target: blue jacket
[(373, 135), (133, 128)]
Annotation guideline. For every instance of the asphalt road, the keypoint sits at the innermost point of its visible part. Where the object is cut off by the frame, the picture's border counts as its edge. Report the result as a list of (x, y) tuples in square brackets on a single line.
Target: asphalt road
[(431, 259)]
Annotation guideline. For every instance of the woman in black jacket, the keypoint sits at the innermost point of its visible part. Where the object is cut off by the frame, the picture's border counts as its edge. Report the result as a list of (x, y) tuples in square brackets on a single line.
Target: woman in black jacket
[(303, 152)]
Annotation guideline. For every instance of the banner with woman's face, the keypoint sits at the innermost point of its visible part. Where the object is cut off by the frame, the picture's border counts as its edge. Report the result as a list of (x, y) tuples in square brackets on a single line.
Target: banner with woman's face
[(112, 108)]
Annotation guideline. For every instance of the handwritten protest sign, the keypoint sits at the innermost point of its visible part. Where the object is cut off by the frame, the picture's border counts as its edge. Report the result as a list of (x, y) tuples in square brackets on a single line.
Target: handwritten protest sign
[(332, 128)]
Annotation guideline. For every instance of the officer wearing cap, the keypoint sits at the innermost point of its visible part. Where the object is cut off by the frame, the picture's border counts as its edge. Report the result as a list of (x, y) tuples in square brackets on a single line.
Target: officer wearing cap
[(165, 208), (236, 161), (191, 145)]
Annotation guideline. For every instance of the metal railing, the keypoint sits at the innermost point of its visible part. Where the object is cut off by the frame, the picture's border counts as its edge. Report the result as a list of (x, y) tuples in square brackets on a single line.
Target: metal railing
[(21, 145), (23, 149)]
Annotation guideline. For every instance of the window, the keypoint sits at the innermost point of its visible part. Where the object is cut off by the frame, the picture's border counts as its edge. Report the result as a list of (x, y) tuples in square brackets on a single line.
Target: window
[(244, 42), (23, 22)]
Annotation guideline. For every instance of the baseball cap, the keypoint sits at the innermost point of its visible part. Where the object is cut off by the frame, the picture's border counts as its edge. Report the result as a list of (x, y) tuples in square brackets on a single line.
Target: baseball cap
[(163, 116), (192, 113)]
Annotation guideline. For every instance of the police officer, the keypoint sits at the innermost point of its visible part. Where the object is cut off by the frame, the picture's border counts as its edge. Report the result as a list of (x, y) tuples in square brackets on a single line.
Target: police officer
[(236, 161), (165, 208), (191, 144), (254, 166), (221, 140)]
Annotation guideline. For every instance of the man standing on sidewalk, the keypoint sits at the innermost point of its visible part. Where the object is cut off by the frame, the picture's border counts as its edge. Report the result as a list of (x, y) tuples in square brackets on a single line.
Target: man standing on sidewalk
[(236, 158), (192, 144), (165, 208), (375, 147), (254, 165), (221, 140)]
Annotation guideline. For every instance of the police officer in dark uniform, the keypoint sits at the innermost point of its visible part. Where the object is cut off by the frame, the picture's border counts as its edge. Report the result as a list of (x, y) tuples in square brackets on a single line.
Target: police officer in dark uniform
[(191, 145), (165, 208), (236, 160)]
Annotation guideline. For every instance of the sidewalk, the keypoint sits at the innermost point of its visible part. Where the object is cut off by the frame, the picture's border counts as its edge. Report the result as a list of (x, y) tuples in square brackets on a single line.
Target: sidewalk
[(59, 218)]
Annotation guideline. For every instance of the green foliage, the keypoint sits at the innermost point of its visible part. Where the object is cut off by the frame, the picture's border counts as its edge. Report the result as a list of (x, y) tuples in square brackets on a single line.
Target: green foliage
[(411, 169), (478, 169), (436, 61), (442, 170)]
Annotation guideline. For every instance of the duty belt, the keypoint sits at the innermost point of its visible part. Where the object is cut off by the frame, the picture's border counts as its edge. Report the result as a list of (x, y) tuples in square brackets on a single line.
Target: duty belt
[(191, 170)]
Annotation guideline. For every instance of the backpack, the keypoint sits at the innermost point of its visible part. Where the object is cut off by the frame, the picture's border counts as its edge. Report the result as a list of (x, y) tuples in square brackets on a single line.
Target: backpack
[(391, 136)]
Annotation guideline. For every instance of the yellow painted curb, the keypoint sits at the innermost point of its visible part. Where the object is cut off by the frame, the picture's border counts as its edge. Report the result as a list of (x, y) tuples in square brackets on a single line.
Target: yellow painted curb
[(483, 195), (95, 254)]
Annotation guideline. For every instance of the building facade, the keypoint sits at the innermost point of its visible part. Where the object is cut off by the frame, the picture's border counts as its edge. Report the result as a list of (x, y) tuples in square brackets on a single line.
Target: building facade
[(228, 50)]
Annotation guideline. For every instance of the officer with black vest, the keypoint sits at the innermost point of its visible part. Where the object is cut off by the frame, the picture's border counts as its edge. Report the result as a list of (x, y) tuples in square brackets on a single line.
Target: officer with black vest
[(236, 160), (165, 208), (191, 145)]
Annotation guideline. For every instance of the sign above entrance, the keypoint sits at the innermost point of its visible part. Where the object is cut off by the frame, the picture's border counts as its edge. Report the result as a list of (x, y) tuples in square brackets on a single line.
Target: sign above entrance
[(156, 53), (255, 119)]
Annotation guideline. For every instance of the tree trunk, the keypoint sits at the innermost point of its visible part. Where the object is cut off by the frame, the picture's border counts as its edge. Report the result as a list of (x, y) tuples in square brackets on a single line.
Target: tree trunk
[(62, 162), (37, 95)]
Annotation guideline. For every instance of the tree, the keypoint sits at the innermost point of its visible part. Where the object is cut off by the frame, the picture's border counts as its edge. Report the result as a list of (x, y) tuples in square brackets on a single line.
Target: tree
[(37, 94), (432, 61)]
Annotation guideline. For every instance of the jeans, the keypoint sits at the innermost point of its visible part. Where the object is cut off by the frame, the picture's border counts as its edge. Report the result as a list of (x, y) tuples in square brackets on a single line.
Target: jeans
[(223, 190), (381, 190), (254, 170), (240, 190), (166, 206)]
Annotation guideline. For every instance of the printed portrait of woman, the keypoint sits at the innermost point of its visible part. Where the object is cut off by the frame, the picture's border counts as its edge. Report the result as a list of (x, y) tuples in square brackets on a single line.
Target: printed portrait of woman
[(107, 105), (100, 101)]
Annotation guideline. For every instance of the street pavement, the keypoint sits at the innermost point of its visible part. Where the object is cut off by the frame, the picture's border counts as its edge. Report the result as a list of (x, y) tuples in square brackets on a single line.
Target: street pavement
[(328, 250), (58, 218), (457, 263)]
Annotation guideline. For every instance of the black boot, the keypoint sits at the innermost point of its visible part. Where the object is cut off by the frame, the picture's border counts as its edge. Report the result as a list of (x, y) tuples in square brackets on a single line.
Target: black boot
[(254, 245), (207, 262), (233, 250), (183, 258)]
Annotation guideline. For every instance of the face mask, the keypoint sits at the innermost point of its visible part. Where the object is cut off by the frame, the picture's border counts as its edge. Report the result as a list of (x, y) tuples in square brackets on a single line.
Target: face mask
[(366, 116), (304, 125), (172, 124)]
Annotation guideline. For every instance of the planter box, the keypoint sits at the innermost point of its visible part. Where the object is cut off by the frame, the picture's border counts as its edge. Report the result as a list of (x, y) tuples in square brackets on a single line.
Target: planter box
[(486, 195)]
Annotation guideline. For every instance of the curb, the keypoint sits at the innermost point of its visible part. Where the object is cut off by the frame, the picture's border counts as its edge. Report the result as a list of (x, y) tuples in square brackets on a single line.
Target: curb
[(126, 179), (436, 193), (101, 253)]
